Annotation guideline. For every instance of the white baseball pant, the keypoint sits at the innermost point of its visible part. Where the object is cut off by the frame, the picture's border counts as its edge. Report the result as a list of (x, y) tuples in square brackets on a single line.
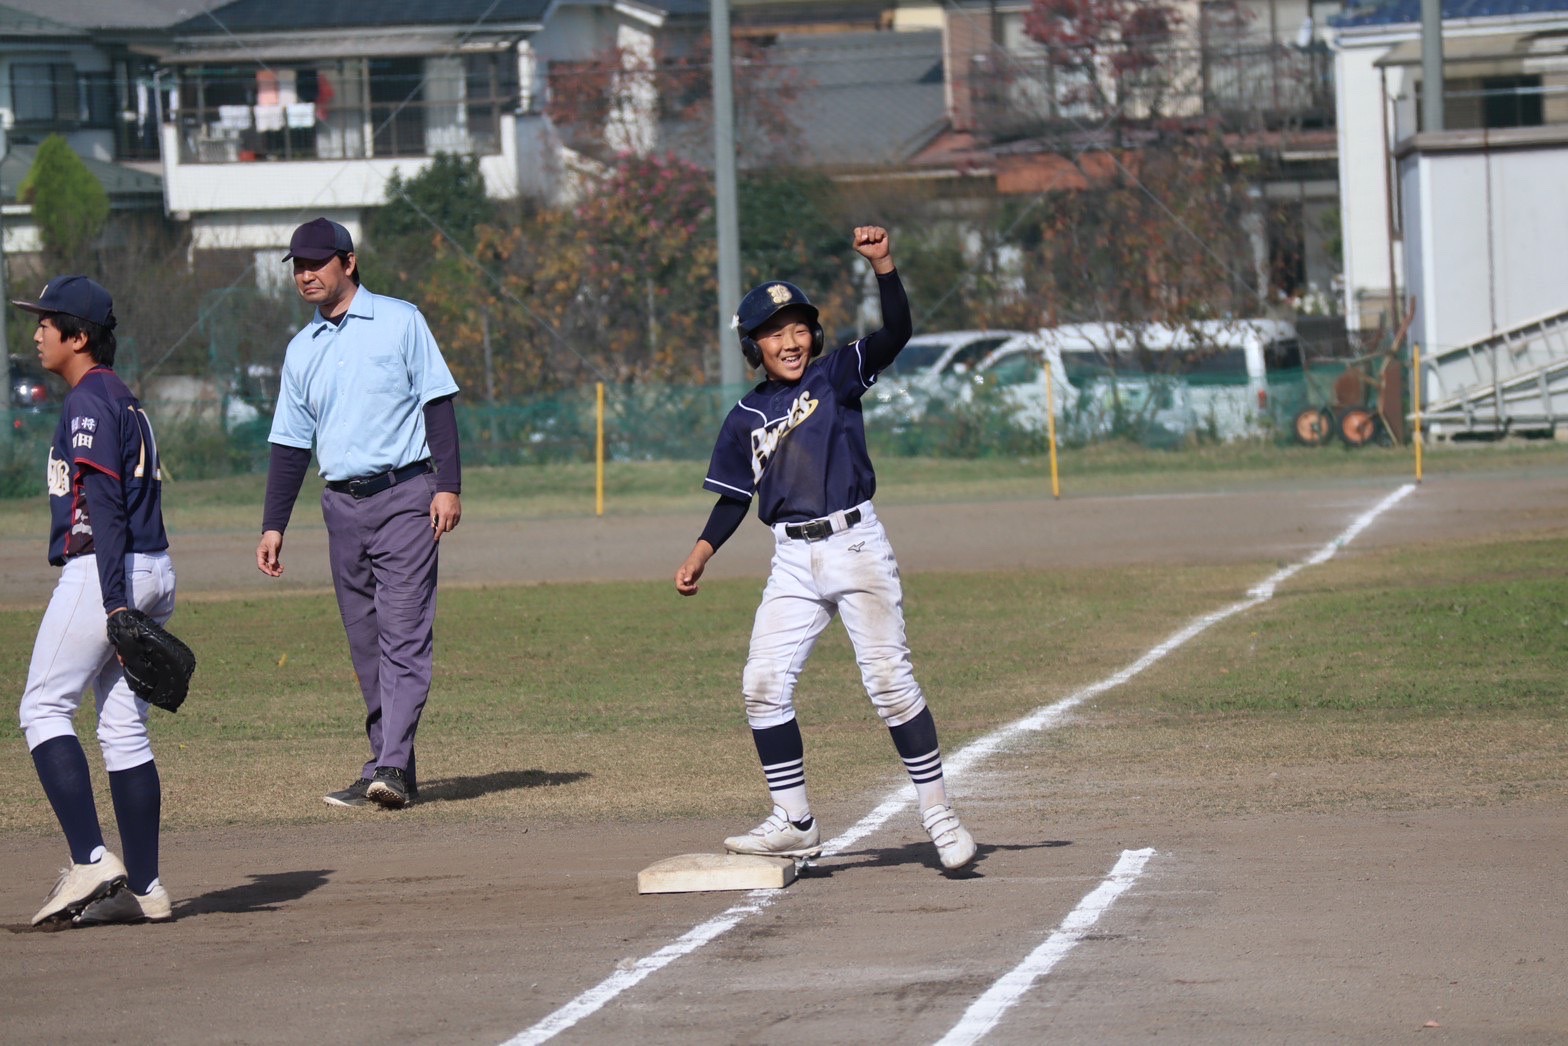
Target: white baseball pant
[(73, 652), (853, 573)]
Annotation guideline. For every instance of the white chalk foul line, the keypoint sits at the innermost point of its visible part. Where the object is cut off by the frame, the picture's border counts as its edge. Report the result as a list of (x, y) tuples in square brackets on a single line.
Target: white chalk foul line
[(986, 1012), (970, 755)]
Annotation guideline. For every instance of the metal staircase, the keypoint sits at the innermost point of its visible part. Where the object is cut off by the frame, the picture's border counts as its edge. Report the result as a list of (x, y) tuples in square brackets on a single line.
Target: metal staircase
[(1511, 381)]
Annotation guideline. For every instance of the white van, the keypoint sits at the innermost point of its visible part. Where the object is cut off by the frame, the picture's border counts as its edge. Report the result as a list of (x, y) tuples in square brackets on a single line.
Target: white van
[(932, 366), (1017, 372), (1214, 376)]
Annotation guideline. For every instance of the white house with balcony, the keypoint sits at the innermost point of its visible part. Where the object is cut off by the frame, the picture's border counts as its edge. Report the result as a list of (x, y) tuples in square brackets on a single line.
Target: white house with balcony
[(59, 78), (271, 123), (274, 118)]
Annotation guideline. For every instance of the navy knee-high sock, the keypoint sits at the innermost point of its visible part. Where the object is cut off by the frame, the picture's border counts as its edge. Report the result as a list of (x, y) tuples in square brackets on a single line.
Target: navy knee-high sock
[(62, 770), (138, 804), (917, 747), (783, 755)]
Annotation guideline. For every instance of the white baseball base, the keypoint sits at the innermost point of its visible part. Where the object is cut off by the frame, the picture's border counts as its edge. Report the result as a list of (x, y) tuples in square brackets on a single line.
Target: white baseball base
[(694, 873)]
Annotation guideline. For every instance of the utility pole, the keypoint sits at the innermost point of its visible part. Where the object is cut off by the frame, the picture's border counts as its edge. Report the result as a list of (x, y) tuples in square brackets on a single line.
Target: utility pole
[(726, 210), (5, 307), (1432, 65)]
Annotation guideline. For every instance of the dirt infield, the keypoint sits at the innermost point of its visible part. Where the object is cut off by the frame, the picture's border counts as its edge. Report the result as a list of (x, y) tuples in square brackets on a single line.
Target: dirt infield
[(1360, 925)]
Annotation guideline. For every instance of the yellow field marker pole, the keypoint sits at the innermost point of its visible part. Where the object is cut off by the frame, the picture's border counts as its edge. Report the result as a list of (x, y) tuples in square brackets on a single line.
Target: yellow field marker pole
[(1050, 430), (598, 451), (1415, 393)]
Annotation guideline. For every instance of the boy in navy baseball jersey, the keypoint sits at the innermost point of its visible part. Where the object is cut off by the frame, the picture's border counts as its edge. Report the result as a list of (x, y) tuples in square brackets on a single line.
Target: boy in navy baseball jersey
[(107, 536), (797, 444)]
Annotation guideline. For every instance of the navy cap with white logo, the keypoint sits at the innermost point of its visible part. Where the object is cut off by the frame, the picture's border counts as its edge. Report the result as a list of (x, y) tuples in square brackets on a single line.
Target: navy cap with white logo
[(74, 296)]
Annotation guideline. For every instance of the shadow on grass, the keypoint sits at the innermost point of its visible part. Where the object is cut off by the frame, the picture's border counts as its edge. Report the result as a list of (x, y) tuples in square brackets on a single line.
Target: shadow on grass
[(915, 853), (264, 893), (453, 789)]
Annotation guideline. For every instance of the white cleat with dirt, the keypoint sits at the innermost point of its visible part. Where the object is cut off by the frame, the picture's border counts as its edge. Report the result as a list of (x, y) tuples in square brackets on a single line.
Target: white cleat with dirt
[(777, 837), (954, 845)]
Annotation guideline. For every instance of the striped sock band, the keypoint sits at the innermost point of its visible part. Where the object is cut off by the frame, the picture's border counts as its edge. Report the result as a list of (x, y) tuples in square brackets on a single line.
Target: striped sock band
[(788, 775), (782, 753), (923, 769), (917, 747)]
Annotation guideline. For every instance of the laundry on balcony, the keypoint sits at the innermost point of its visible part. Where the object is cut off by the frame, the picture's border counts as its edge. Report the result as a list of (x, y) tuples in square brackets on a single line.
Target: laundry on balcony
[(269, 117)]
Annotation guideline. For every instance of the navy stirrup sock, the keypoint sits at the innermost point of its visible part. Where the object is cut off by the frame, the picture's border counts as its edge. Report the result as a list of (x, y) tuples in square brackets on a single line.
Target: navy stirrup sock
[(138, 802), (62, 770)]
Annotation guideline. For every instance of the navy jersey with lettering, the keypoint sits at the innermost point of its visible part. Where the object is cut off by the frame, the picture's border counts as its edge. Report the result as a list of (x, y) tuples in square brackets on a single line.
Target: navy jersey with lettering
[(800, 448), (104, 429)]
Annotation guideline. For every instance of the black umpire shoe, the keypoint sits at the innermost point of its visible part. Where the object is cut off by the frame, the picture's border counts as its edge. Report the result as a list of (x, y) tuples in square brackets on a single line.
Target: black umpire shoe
[(353, 795), (390, 788)]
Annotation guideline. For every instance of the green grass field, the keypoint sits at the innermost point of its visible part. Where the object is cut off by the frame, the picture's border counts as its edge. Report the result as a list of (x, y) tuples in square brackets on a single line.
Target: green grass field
[(585, 702)]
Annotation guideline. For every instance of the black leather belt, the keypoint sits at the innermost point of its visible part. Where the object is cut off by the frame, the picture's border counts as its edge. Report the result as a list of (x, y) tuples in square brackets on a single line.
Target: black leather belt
[(365, 486), (817, 529)]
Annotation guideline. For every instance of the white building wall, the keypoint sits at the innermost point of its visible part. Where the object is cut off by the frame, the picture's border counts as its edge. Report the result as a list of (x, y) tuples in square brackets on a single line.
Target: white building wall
[(1364, 147), (1486, 237), (1363, 181)]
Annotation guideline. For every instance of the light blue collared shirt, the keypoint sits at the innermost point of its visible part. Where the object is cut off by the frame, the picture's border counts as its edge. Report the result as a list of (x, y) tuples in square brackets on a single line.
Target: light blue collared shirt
[(357, 390)]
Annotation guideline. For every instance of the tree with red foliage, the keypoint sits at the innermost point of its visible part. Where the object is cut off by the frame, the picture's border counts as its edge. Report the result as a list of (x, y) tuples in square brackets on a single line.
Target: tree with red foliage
[(1156, 226), (1112, 50)]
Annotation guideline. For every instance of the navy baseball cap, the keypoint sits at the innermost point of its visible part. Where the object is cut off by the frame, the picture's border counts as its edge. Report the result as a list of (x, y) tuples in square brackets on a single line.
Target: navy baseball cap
[(319, 240), (74, 296)]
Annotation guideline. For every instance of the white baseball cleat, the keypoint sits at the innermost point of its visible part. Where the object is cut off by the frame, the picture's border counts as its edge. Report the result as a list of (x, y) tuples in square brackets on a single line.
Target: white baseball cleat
[(954, 845), (79, 886), (127, 906), (777, 837)]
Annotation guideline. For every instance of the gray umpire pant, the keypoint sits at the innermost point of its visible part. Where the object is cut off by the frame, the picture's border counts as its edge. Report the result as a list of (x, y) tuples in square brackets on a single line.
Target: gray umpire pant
[(383, 555)]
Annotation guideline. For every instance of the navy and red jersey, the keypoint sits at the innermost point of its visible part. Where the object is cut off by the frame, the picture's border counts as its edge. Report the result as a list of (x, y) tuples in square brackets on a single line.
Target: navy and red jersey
[(800, 448), (103, 430)]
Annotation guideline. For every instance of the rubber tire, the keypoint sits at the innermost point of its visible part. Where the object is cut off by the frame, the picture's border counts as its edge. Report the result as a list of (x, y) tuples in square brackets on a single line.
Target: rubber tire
[(1357, 426), (1313, 427)]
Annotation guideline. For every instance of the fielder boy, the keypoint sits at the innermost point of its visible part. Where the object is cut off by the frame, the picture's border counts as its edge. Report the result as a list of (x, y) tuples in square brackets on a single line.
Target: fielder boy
[(797, 444), (107, 536)]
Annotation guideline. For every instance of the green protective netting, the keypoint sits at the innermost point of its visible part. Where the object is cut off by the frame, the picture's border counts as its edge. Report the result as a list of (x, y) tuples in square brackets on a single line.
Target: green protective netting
[(680, 422)]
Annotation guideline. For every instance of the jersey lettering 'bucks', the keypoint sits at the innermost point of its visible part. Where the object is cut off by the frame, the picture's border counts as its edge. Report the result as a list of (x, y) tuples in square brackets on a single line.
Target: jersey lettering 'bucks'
[(765, 439), (799, 449)]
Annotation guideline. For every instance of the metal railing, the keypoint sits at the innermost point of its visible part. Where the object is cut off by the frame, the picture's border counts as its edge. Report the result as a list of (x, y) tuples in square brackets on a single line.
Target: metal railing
[(221, 119), (1246, 83)]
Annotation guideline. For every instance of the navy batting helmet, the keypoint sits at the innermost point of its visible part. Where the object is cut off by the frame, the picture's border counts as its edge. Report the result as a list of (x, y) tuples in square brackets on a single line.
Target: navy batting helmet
[(760, 305)]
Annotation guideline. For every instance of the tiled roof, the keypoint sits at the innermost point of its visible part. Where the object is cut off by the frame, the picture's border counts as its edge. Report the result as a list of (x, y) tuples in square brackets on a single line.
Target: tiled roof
[(1402, 12), (121, 182), (113, 14), (15, 23), (243, 16), (865, 99)]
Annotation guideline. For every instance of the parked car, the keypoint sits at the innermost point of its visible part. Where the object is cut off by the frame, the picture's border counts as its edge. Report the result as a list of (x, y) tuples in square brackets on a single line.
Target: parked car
[(30, 389), (931, 365), (1017, 373), (35, 396), (1230, 378)]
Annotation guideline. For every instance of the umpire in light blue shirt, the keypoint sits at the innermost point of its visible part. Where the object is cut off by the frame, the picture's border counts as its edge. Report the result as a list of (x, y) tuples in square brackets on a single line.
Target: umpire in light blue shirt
[(365, 384)]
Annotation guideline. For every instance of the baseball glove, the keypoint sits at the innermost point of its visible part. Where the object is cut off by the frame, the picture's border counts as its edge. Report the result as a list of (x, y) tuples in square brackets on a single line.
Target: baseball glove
[(157, 665)]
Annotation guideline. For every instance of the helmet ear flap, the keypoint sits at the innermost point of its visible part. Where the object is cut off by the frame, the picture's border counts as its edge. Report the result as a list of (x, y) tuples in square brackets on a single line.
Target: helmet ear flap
[(818, 336), (751, 350)]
